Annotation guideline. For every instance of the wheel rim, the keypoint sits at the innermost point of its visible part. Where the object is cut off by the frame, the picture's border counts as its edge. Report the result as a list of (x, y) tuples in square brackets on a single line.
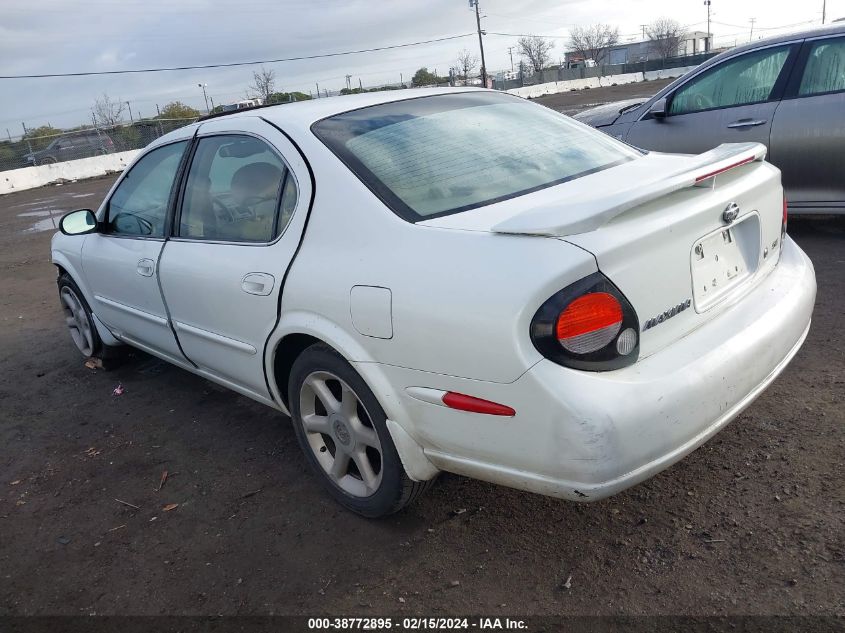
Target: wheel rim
[(77, 321), (341, 434)]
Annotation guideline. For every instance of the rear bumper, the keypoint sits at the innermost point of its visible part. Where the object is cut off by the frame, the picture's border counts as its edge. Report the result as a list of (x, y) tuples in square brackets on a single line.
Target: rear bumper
[(586, 435)]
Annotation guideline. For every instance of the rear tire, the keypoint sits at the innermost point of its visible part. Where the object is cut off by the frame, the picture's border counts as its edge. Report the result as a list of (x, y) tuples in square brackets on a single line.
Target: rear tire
[(80, 322), (342, 430)]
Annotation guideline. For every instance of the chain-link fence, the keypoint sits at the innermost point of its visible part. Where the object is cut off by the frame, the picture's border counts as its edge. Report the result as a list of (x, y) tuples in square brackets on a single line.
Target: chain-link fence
[(565, 74), (47, 145)]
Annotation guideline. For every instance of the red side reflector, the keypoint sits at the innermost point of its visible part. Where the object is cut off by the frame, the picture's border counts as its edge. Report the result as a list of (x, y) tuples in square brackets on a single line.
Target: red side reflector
[(475, 405), (589, 313), (724, 169)]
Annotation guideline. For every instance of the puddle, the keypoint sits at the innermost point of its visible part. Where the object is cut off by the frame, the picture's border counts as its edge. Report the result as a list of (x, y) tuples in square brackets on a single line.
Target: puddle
[(47, 224)]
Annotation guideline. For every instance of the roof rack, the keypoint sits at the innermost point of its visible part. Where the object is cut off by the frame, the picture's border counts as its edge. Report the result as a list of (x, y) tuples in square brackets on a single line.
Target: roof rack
[(214, 115)]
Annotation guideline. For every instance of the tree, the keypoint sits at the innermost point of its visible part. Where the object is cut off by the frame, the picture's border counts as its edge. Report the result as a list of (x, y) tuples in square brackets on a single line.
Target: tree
[(593, 42), (666, 36), (106, 112), (536, 50), (178, 110), (466, 63), (286, 97), (263, 84), (424, 78)]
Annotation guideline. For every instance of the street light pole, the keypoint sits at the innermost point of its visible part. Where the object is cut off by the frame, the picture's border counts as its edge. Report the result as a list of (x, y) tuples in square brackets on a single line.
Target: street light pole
[(707, 41), (131, 120), (205, 96)]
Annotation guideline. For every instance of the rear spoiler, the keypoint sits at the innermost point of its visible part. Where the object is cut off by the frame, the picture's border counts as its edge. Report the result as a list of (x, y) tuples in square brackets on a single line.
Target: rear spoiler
[(589, 212)]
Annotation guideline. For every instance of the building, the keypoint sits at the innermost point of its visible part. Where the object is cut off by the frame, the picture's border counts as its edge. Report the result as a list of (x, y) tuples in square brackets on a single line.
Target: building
[(633, 52)]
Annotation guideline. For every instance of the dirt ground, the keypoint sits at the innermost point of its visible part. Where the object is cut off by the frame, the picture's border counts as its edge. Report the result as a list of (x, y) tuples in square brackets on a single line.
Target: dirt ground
[(751, 523)]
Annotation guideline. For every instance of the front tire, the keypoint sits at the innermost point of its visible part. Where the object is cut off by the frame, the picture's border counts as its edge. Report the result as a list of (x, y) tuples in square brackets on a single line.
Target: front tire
[(80, 322), (343, 432)]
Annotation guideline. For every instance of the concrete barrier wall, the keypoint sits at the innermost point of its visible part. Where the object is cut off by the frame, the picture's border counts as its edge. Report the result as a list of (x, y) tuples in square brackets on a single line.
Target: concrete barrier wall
[(553, 87), (32, 177)]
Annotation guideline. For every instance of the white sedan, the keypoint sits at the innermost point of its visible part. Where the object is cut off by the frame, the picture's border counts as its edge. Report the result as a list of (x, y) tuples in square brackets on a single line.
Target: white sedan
[(449, 280)]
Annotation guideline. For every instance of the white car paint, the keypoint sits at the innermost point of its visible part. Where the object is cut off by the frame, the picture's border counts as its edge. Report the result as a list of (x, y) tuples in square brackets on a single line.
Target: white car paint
[(446, 305)]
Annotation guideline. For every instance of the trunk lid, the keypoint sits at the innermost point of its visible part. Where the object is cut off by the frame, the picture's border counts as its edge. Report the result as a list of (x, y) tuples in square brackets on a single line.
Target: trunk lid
[(682, 237)]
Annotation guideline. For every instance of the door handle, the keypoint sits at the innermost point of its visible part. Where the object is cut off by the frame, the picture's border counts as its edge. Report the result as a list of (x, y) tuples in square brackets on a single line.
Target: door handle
[(747, 123), (146, 267), (258, 284)]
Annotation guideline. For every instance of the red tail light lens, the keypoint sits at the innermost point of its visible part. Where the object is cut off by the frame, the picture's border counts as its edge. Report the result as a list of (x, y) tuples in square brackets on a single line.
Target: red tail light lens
[(785, 217), (589, 323)]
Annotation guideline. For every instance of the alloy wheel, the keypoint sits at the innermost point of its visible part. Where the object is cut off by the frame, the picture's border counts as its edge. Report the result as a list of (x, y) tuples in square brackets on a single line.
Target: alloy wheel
[(341, 434), (77, 321)]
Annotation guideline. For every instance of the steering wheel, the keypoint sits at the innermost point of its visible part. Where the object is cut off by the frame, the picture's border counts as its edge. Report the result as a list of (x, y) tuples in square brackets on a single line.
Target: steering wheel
[(702, 102), (221, 211)]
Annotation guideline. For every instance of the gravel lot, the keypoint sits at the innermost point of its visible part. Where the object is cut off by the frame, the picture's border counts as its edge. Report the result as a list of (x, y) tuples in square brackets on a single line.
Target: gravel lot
[(751, 523)]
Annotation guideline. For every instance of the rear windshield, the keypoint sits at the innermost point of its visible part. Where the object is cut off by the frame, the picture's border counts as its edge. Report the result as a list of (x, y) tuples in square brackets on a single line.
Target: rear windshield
[(439, 155)]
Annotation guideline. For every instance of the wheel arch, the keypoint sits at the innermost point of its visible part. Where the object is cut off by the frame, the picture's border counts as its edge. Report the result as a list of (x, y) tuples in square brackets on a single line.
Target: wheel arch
[(297, 332)]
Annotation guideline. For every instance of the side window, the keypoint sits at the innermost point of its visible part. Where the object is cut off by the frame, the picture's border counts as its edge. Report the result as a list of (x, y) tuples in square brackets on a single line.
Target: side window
[(238, 190), (825, 69), (139, 204), (750, 78)]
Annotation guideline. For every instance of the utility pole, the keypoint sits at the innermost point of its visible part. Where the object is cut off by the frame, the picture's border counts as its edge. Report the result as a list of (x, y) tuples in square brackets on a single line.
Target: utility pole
[(131, 120), (474, 3), (205, 96), (824, 10), (318, 89), (401, 79), (158, 110), (751, 36), (707, 39), (643, 26), (360, 85), (210, 98), (510, 52), (348, 79)]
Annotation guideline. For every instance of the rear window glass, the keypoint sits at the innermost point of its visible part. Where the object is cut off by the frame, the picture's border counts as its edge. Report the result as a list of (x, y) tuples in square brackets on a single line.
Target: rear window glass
[(439, 155)]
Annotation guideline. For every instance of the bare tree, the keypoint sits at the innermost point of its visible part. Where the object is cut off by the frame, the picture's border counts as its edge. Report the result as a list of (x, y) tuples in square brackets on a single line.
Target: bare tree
[(666, 36), (593, 42), (537, 50), (263, 84), (466, 63), (106, 112)]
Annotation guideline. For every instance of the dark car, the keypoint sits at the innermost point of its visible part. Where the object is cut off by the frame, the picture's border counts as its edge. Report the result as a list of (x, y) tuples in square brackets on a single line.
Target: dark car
[(787, 92), (71, 147)]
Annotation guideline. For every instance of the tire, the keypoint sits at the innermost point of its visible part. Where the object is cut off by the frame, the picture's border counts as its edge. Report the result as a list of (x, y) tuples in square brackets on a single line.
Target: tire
[(80, 323), (346, 442), (47, 160)]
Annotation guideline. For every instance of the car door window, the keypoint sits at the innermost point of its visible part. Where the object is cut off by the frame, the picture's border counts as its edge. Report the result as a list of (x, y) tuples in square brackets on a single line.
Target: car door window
[(139, 204), (238, 190), (825, 69), (750, 78)]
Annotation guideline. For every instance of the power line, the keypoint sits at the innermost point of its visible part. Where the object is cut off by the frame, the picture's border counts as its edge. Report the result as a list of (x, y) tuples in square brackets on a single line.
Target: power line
[(234, 64)]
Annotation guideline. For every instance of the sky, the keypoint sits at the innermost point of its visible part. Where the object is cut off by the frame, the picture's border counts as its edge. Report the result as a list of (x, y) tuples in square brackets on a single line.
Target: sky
[(59, 36)]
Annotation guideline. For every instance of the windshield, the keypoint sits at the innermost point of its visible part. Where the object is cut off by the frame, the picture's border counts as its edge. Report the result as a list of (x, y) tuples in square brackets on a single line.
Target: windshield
[(443, 154)]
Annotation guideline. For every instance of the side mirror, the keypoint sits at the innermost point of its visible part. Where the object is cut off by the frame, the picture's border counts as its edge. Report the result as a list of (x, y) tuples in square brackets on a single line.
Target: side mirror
[(80, 222), (658, 109)]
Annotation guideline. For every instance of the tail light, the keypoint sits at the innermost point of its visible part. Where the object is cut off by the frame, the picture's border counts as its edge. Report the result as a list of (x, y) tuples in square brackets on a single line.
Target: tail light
[(785, 216), (588, 325)]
